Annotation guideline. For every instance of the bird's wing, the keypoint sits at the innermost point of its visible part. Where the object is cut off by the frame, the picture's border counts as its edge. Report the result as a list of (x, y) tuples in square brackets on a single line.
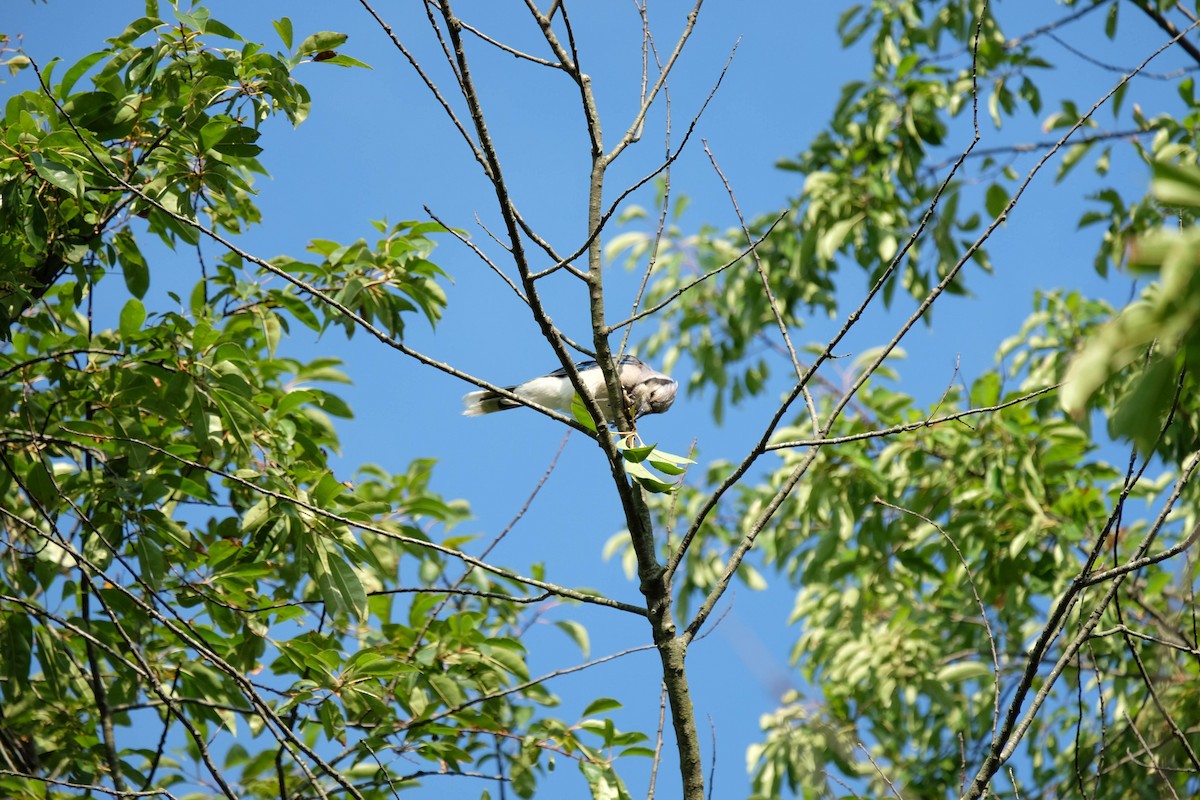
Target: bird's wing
[(580, 366)]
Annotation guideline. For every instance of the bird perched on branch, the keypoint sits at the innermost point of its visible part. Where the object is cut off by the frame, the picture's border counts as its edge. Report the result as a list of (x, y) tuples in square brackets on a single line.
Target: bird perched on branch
[(647, 391)]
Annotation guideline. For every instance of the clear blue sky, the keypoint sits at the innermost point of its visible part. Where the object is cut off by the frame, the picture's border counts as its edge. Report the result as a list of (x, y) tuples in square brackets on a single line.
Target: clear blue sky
[(377, 146)]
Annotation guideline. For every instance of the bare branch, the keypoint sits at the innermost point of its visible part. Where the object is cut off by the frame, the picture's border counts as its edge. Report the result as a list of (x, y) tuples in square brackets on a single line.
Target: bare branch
[(509, 49), (912, 426), (429, 83), (603, 219), (649, 47), (675, 295), (632, 134), (482, 255)]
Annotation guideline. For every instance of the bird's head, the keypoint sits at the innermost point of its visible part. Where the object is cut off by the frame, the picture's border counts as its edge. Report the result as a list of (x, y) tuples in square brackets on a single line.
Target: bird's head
[(653, 395)]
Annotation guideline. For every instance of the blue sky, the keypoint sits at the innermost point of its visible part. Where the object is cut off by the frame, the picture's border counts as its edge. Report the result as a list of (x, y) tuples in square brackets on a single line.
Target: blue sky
[(377, 146)]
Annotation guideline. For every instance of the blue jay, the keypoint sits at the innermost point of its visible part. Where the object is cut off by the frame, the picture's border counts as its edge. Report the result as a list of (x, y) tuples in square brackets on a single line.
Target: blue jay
[(647, 390)]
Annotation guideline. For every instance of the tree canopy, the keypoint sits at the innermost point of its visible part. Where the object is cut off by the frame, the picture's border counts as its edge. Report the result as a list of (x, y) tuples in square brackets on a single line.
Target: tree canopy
[(992, 581)]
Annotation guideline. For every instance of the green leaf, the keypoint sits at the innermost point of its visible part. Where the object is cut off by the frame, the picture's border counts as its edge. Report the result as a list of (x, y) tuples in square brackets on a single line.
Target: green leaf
[(323, 40), (652, 484), (578, 634), (832, 239), (341, 60), (447, 689), (667, 467), (1141, 414), (239, 141), (217, 28), (600, 705), (16, 634), (58, 174), (133, 265), (256, 515), (637, 454), (340, 585), (1176, 185), (964, 671), (78, 70), (214, 130), (133, 314), (663, 455), (273, 331), (603, 781), (646, 752), (580, 412), (283, 26), (151, 561), (996, 201)]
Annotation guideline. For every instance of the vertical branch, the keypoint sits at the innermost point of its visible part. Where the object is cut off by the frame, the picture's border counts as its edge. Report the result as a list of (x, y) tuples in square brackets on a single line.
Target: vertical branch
[(648, 47), (655, 584), (98, 691)]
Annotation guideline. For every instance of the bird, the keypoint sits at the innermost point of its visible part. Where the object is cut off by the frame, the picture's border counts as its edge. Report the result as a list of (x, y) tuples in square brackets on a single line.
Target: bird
[(647, 390)]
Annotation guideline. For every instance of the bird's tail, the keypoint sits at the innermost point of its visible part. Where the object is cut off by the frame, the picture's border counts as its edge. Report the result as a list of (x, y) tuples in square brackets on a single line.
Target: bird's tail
[(483, 402)]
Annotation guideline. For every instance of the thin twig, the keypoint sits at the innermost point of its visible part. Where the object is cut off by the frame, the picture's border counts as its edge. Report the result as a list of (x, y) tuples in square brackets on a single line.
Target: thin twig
[(649, 47), (509, 49), (987, 626), (598, 227), (1118, 630), (1145, 561), (433, 614), (1150, 753), (482, 255), (712, 769), (429, 84), (882, 774), (87, 787), (675, 295), (658, 741), (770, 294), (631, 135)]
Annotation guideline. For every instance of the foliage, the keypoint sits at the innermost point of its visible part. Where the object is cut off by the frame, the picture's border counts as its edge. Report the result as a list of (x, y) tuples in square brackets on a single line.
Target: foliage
[(179, 554), (1165, 322), (927, 555)]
